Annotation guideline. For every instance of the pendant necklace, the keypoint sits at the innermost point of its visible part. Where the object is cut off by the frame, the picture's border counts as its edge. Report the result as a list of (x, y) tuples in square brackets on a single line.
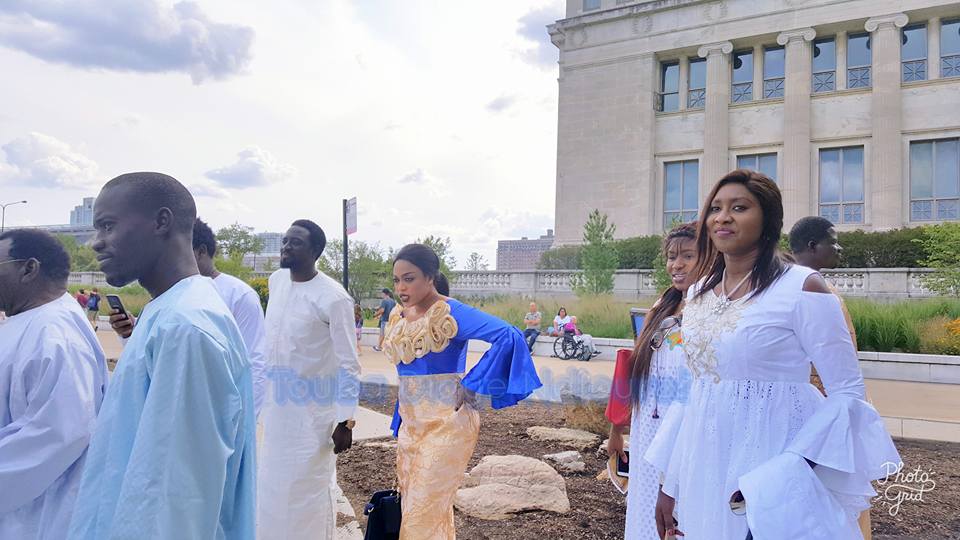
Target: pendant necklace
[(724, 301)]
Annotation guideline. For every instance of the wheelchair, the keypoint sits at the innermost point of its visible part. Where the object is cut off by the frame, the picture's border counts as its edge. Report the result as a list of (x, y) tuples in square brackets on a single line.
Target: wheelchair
[(568, 347)]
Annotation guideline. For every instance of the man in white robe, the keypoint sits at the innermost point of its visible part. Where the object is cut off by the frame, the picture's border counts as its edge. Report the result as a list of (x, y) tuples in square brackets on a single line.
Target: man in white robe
[(313, 376), (52, 379), (172, 455)]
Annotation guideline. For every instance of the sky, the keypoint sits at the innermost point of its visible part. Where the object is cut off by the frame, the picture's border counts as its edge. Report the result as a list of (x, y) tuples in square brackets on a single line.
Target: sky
[(440, 116)]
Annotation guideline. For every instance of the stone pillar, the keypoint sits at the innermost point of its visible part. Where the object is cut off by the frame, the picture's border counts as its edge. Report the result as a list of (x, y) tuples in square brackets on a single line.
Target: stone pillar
[(683, 82), (885, 180), (716, 130), (758, 72), (933, 48), (795, 183), (841, 46)]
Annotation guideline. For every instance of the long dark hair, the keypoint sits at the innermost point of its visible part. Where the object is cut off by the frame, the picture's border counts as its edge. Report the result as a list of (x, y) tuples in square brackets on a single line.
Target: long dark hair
[(424, 258), (770, 264), (665, 306)]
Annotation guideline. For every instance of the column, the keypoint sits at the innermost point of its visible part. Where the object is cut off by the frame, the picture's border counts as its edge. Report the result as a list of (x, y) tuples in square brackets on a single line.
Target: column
[(795, 183), (885, 180), (758, 72), (841, 43), (684, 81), (933, 48), (716, 130)]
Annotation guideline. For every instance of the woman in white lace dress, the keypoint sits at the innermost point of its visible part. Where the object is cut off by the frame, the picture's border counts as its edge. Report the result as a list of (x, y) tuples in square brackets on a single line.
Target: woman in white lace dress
[(658, 381), (753, 426)]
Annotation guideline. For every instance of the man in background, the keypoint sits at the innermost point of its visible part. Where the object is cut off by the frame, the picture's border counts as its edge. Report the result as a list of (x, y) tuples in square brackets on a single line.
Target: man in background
[(93, 308), (52, 379), (387, 303), (532, 322), (815, 244)]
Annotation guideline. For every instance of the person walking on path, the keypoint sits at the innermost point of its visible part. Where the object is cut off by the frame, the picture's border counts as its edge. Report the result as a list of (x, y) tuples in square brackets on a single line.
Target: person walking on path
[(387, 303)]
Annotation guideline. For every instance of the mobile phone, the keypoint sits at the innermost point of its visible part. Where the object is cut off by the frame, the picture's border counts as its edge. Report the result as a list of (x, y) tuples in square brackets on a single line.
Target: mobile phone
[(623, 467), (117, 305)]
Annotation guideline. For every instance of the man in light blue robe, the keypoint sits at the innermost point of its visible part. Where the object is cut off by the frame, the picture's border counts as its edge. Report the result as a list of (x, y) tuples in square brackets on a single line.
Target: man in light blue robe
[(52, 379), (172, 455)]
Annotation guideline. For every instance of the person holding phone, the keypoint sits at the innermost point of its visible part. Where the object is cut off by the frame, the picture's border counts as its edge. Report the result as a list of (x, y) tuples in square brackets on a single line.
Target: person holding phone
[(657, 386), (172, 454)]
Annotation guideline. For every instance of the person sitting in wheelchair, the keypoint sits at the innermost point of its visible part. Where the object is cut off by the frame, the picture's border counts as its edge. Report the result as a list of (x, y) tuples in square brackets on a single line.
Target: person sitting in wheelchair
[(570, 330)]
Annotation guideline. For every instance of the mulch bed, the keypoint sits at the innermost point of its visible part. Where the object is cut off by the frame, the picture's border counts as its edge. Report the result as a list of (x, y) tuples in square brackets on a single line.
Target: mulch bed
[(597, 511)]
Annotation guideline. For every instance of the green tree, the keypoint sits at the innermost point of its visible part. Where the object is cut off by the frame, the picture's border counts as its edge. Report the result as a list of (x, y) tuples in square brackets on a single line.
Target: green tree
[(369, 268), (443, 249), (233, 267), (476, 263), (942, 245), (236, 240), (82, 257), (599, 257)]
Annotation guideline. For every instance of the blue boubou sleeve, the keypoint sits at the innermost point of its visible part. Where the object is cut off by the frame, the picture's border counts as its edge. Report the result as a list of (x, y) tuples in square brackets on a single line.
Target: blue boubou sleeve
[(505, 372)]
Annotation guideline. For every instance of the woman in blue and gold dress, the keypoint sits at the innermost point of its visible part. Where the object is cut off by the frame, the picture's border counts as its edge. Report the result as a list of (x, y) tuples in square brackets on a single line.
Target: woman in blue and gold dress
[(436, 422)]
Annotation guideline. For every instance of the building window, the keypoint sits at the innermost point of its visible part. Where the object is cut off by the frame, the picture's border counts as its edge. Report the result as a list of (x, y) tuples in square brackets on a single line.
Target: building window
[(773, 70), (590, 5), (824, 65), (935, 180), (669, 98), (681, 182), (950, 49), (858, 61), (697, 92), (913, 53), (742, 87), (841, 184), (765, 164)]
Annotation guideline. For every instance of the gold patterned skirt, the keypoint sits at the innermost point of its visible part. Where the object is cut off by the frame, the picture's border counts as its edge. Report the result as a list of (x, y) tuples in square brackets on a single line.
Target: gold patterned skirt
[(434, 445)]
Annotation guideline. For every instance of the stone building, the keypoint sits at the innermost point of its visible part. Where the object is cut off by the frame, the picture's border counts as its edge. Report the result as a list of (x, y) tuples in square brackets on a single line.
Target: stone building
[(853, 106), (82, 215), (523, 254)]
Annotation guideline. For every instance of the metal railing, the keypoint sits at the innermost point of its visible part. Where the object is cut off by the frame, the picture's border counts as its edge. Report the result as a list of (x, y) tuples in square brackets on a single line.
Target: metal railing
[(914, 70), (858, 77), (824, 81), (741, 92)]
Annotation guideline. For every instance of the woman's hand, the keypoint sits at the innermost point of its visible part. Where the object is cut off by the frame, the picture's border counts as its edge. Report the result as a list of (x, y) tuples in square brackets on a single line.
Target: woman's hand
[(666, 525), (615, 443), (465, 395)]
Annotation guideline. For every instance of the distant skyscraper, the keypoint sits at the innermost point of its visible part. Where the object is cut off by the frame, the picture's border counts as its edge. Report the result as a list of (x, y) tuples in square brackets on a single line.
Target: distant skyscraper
[(523, 254), (83, 215), (272, 241)]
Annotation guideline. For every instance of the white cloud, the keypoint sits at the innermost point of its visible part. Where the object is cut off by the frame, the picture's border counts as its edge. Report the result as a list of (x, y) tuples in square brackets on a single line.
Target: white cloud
[(126, 35), (255, 167), (533, 27), (41, 161), (501, 103), (426, 181)]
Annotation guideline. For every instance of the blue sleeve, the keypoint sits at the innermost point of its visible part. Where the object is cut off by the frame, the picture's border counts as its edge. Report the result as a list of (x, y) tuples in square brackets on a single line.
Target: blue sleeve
[(175, 479), (505, 372)]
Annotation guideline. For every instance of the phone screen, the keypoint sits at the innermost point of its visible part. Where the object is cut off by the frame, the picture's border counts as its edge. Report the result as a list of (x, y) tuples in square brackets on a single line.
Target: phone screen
[(623, 467), (115, 303)]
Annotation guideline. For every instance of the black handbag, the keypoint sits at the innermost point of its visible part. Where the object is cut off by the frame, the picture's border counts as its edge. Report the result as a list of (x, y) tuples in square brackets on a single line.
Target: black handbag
[(383, 516)]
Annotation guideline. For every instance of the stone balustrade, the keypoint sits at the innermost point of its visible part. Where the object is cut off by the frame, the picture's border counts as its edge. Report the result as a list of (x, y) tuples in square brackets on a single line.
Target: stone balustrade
[(885, 283)]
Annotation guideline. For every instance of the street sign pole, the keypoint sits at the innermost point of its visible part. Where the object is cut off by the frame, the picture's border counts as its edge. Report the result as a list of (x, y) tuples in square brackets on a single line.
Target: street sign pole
[(346, 250)]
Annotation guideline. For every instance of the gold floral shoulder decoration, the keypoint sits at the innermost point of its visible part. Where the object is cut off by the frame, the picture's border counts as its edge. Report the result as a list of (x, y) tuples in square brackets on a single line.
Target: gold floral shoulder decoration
[(405, 341)]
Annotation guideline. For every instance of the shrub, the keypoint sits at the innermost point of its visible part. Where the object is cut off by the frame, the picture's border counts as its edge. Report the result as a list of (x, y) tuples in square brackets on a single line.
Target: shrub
[(942, 245), (261, 285), (561, 258), (639, 252), (941, 336), (897, 248), (599, 257), (897, 327), (599, 316)]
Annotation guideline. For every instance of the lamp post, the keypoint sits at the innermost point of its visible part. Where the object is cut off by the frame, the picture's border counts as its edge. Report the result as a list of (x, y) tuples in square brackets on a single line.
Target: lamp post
[(3, 212)]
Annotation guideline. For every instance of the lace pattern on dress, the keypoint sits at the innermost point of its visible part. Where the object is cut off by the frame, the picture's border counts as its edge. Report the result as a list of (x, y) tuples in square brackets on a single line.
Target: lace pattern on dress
[(703, 327), (406, 341)]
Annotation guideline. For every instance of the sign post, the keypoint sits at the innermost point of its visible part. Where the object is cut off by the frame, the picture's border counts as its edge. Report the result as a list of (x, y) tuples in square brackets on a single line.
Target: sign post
[(349, 227)]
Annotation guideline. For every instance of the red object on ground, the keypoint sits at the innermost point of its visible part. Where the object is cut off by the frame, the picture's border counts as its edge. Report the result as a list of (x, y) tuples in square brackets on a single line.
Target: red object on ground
[(618, 406)]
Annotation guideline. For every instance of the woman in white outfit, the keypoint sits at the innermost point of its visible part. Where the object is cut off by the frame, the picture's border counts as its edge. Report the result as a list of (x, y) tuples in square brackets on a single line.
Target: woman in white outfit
[(658, 380), (753, 426)]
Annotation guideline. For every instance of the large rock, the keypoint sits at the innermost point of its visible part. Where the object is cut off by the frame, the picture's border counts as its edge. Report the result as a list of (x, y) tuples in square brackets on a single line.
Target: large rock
[(573, 438), (503, 485)]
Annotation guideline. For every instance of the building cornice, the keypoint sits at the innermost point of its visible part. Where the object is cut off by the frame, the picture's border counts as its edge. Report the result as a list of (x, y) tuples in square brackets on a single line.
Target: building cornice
[(894, 20), (800, 34), (721, 47)]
